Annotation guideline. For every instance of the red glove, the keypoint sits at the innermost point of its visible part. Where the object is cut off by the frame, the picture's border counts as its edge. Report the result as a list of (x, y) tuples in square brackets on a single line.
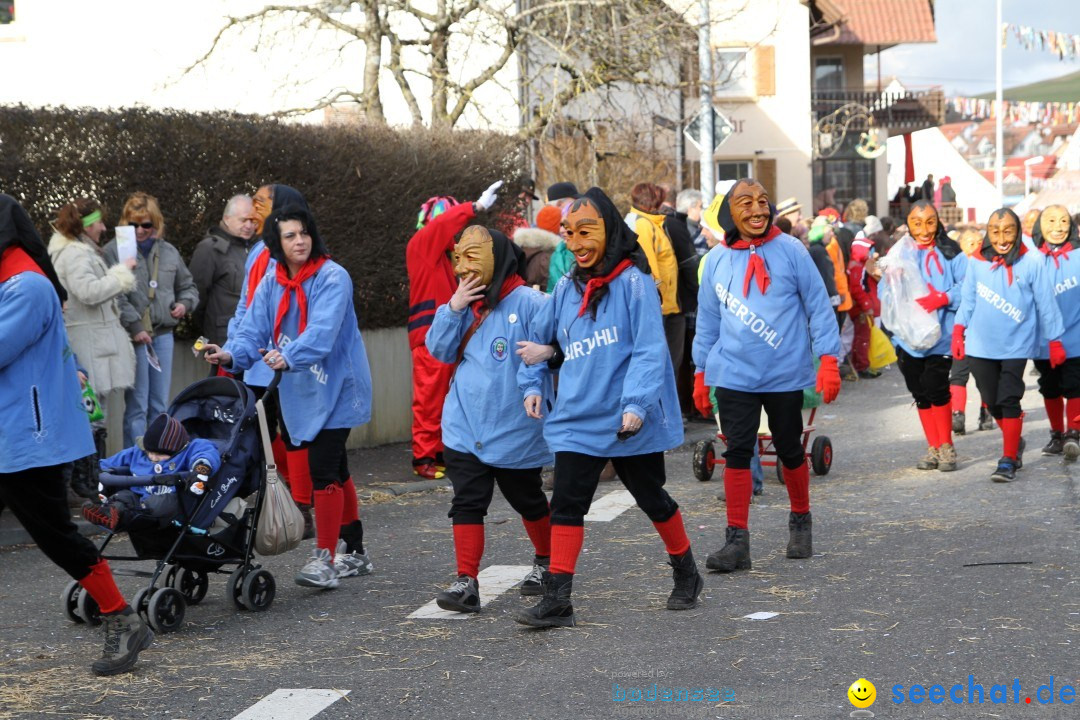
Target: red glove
[(701, 396), (958, 342), (936, 299), (828, 378), (1057, 354)]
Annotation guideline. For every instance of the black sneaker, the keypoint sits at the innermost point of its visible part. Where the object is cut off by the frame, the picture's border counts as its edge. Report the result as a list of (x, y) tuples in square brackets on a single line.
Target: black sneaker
[(555, 609), (1054, 447), (986, 420), (103, 515), (1006, 471), (688, 582), (735, 555), (462, 596), (1070, 446), (1020, 453), (126, 635), (958, 423), (533, 584), (800, 536), (869, 374)]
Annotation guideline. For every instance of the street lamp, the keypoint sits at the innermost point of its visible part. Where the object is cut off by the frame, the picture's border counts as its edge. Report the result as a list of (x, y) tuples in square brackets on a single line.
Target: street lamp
[(1027, 172)]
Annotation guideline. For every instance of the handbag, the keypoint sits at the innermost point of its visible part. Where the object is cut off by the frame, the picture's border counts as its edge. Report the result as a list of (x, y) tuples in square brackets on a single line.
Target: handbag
[(281, 526), (882, 352)]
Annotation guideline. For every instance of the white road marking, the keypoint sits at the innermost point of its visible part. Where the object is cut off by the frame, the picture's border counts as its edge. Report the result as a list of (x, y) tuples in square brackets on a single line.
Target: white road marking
[(494, 581), (610, 506), (299, 704), (760, 616)]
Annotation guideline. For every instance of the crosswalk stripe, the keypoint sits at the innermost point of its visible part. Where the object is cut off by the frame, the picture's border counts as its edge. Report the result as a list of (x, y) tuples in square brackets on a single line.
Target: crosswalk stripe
[(286, 704), (494, 581), (610, 506)]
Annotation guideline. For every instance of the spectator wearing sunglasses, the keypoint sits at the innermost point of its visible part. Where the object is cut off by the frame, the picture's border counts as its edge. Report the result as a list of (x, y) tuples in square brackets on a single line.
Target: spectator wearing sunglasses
[(164, 292)]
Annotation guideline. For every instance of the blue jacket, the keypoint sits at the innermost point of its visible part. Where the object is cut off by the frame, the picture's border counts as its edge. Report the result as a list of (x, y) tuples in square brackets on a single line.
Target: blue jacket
[(1007, 321), (615, 364), (328, 381), (483, 414), (763, 342), (44, 420), (949, 280), (136, 462), (258, 375), (1065, 279)]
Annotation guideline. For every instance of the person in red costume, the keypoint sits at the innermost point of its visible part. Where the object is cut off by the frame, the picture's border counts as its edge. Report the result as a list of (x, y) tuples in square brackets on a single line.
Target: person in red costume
[(432, 283)]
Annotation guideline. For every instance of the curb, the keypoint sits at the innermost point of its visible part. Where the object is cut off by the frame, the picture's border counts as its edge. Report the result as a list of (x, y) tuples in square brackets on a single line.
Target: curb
[(12, 533), (398, 489)]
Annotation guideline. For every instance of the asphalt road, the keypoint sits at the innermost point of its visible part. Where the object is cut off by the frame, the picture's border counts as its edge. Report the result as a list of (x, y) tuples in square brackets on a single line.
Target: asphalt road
[(902, 591)]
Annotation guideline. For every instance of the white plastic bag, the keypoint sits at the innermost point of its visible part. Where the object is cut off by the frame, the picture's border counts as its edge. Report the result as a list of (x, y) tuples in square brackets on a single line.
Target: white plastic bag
[(901, 283)]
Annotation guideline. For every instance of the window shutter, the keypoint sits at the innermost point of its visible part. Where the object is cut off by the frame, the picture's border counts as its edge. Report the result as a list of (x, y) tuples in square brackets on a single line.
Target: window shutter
[(765, 70), (765, 173)]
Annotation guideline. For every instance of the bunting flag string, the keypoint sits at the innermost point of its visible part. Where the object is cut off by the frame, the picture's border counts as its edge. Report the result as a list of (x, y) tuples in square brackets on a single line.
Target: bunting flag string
[(1065, 45), (1046, 113)]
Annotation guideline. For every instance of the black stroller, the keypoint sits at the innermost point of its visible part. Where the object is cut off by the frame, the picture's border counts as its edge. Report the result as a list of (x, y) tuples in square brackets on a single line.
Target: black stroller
[(191, 545)]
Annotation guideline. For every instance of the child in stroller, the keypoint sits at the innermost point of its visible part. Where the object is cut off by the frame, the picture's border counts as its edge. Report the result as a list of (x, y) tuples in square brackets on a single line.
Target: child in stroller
[(165, 449)]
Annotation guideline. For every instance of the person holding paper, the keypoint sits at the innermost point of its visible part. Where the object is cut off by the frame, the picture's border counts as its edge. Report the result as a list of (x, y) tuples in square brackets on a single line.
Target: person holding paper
[(164, 292)]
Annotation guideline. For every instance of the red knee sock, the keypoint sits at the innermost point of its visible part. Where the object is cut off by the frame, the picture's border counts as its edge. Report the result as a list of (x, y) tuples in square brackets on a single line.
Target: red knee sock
[(102, 587), (539, 532), (797, 482), (350, 511), (673, 533), (738, 486), (299, 476), (329, 507), (1072, 413), (959, 397), (566, 542), (1011, 429), (469, 547), (929, 426), (943, 423), (1055, 412), (281, 459)]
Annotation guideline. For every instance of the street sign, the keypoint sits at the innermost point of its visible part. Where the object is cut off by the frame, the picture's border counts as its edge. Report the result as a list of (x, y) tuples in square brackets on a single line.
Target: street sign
[(722, 130)]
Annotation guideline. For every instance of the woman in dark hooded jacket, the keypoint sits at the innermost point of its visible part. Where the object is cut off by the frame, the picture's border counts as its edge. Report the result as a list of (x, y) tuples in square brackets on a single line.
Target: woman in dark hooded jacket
[(487, 439), (616, 400)]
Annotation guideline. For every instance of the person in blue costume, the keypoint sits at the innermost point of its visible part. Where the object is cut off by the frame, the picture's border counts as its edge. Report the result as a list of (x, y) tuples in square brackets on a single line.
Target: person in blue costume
[(487, 439), (616, 400), (1055, 236), (306, 308), (763, 316), (1007, 311)]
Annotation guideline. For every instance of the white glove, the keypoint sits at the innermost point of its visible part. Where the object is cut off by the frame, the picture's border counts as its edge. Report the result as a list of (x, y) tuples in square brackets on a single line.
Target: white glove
[(836, 300), (488, 198)]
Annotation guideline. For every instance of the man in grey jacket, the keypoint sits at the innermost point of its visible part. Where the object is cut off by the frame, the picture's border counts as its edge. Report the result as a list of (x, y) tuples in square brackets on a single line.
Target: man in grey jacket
[(217, 266)]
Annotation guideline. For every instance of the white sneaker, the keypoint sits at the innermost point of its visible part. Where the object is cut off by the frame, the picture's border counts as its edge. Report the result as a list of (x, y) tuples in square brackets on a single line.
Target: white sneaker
[(319, 571), (351, 564)]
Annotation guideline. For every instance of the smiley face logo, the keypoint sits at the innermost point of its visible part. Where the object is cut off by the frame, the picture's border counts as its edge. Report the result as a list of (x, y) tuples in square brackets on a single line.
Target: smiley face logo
[(862, 693)]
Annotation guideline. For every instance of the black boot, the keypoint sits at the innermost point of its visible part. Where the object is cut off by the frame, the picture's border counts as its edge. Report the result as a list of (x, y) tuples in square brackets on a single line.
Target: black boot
[(309, 524), (1054, 447), (1071, 445), (126, 635), (688, 582), (735, 555), (958, 423), (555, 609), (986, 420), (800, 543)]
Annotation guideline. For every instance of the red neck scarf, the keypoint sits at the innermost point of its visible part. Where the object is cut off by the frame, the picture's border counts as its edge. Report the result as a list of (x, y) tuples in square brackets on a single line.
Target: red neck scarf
[(1056, 251), (999, 261), (755, 268), (598, 282), (480, 309), (15, 261), (931, 254), (255, 275), (292, 285)]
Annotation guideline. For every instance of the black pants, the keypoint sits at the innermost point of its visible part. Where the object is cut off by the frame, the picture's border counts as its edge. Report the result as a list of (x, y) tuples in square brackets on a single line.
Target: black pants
[(927, 378), (675, 333), (271, 411), (960, 372), (1062, 381), (38, 497), (577, 475), (327, 459), (474, 485), (1001, 384), (740, 417)]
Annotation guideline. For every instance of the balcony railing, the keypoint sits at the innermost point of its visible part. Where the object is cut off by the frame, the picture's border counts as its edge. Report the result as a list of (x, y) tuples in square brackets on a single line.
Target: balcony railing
[(898, 112)]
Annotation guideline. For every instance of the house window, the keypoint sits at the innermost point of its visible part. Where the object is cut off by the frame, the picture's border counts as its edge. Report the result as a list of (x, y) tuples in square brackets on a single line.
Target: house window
[(838, 181), (733, 75), (828, 73), (732, 170)]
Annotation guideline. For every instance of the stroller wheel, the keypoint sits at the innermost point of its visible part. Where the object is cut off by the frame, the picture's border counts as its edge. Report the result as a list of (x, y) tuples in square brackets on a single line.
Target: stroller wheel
[(234, 588), (170, 575), (87, 608), (259, 590), (70, 600), (166, 610), (192, 584), (141, 603)]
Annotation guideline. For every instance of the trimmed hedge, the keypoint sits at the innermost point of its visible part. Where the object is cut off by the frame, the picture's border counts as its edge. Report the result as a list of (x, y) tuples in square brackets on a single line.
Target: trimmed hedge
[(365, 183)]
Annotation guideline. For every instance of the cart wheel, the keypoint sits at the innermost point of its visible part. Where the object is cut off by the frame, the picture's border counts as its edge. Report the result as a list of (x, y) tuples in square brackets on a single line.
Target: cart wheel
[(259, 590), (779, 471), (821, 455), (166, 610), (87, 608), (235, 586), (70, 600), (141, 603), (192, 584), (704, 460)]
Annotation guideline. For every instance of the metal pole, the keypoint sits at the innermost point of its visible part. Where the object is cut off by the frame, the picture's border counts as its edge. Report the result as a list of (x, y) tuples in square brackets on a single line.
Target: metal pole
[(999, 141), (705, 71)]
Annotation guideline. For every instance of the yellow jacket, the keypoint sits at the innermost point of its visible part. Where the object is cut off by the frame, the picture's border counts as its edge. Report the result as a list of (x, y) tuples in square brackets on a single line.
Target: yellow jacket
[(840, 274), (662, 263)]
